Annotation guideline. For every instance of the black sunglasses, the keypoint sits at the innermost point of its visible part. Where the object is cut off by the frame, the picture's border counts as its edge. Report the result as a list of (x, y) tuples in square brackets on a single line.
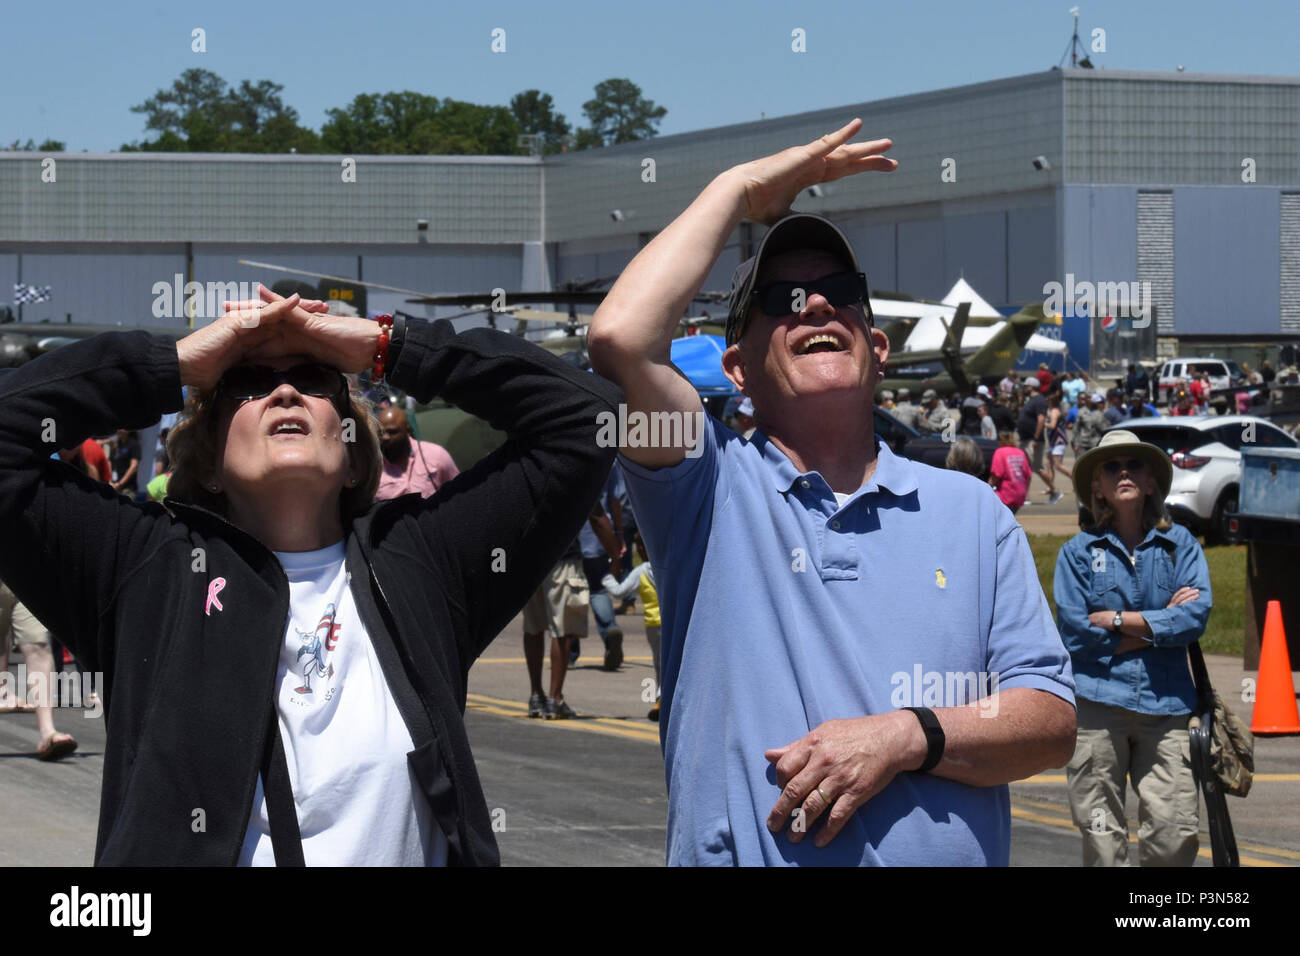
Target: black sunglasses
[(840, 289), (1132, 466), (244, 383)]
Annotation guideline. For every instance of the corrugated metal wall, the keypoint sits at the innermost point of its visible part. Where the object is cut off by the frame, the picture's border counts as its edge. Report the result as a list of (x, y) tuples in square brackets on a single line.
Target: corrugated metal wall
[(130, 197), (991, 130), (1191, 129)]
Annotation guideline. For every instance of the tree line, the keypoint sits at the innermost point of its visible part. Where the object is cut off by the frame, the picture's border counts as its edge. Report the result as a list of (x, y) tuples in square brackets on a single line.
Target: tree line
[(201, 112)]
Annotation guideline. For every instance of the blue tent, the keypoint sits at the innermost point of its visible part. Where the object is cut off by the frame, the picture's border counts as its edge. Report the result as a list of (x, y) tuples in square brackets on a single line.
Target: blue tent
[(700, 359)]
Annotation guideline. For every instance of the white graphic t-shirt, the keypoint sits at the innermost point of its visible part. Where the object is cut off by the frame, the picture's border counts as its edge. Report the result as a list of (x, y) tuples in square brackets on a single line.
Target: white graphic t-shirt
[(345, 741)]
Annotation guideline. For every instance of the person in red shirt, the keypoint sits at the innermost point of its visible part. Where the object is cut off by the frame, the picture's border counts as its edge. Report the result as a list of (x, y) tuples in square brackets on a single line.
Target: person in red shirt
[(1009, 473), (94, 455)]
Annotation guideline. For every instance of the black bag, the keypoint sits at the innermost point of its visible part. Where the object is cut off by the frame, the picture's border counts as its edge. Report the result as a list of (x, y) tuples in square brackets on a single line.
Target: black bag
[(1223, 758)]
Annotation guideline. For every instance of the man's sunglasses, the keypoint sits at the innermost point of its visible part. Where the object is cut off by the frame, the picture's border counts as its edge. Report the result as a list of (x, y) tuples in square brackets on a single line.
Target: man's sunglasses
[(245, 383), (1114, 466), (841, 289)]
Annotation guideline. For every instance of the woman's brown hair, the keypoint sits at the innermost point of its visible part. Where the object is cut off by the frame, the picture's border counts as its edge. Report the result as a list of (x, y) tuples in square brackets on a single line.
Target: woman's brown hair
[(192, 447)]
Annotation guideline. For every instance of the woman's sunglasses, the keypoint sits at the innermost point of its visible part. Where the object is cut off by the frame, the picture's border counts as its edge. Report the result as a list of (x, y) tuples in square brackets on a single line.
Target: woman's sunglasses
[(1114, 466), (841, 289), (244, 383)]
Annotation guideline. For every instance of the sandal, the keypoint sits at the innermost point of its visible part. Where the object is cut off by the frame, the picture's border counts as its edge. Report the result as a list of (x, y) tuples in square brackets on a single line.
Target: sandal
[(56, 746)]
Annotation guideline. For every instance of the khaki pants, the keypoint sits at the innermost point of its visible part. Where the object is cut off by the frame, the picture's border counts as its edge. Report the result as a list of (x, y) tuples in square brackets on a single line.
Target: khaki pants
[(1114, 743)]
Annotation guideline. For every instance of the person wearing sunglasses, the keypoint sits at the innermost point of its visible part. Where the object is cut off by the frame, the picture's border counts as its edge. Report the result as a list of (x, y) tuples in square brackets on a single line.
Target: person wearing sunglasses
[(1132, 591), (793, 731), (284, 660)]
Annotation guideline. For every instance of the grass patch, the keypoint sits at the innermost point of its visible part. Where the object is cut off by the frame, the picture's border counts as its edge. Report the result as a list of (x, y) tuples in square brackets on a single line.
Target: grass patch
[(1226, 632)]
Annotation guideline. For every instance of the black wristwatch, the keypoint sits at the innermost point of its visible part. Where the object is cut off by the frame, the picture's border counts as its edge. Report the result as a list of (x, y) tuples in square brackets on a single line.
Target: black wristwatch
[(396, 338), (934, 737), (1117, 621)]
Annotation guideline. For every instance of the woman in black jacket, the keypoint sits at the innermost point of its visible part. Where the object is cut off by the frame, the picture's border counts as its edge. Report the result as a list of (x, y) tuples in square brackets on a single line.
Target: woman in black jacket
[(285, 665)]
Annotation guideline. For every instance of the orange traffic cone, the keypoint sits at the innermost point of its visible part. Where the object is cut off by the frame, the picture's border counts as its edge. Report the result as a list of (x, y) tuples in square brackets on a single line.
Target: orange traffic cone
[(1275, 709)]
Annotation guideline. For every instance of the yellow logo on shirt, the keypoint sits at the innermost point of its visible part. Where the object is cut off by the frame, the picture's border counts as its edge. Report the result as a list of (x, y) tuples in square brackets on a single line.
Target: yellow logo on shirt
[(939, 579)]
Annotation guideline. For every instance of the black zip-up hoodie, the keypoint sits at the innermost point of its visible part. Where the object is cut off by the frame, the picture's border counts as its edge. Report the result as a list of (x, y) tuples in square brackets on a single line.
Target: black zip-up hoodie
[(188, 687)]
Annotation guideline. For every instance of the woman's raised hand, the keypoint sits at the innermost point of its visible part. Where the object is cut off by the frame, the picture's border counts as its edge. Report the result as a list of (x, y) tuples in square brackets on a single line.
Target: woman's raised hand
[(773, 183), (206, 353), (344, 342)]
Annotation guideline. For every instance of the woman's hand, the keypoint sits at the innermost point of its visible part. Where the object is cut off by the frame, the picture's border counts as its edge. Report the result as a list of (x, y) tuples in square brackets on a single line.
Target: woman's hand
[(773, 183), (206, 353), (1184, 596), (344, 342)]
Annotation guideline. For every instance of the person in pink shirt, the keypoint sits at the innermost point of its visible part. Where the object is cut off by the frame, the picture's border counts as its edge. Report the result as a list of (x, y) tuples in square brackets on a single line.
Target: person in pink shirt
[(410, 465), (1009, 473)]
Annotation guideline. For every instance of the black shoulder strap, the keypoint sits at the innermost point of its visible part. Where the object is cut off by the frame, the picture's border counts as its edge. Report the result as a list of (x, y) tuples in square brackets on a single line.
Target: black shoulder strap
[(286, 840), (1200, 675)]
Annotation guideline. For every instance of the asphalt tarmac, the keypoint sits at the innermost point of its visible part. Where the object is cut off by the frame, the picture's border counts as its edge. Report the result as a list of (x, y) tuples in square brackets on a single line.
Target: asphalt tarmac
[(591, 791)]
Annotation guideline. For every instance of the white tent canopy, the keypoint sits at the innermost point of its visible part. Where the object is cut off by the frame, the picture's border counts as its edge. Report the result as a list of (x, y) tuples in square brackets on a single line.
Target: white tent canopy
[(929, 332)]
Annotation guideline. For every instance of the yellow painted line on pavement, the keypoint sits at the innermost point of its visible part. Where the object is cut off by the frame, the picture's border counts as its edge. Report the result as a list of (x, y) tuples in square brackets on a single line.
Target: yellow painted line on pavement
[(588, 660), (609, 725)]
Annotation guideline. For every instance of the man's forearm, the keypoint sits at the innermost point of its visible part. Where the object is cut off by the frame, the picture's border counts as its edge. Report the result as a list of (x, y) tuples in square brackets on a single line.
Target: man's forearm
[(1010, 735), (643, 308)]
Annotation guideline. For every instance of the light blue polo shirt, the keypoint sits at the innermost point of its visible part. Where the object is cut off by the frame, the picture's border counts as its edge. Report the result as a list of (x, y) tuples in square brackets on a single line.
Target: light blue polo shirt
[(783, 609)]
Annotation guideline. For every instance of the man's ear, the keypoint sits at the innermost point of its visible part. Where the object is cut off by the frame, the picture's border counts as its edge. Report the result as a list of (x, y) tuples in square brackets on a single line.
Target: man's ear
[(880, 345), (733, 366)]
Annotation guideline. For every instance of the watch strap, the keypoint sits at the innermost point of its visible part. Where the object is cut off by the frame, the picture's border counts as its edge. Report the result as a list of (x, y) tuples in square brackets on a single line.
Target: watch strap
[(934, 737)]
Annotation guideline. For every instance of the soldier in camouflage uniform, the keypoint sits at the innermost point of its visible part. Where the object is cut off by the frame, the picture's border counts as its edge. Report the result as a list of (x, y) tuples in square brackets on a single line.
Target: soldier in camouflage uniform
[(934, 413), (905, 411), (1090, 424)]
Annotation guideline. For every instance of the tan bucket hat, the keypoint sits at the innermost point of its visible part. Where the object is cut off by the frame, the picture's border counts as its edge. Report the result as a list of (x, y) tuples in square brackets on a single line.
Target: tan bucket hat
[(1120, 443)]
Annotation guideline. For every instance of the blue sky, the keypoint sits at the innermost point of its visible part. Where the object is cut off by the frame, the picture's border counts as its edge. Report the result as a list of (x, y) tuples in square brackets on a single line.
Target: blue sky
[(71, 72)]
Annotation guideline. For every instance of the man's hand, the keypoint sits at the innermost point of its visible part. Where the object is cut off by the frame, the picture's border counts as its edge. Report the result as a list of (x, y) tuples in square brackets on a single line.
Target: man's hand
[(774, 182), (841, 764)]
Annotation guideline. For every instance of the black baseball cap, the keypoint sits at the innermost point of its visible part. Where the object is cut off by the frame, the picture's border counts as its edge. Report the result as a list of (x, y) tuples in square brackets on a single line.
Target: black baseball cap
[(796, 231)]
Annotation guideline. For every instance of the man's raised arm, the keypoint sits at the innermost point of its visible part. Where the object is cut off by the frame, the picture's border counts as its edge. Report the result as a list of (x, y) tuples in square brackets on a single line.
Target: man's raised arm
[(631, 335)]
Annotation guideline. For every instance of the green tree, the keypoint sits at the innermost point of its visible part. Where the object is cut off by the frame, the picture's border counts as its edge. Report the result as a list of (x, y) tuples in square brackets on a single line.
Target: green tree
[(619, 114), (410, 123), (536, 115), (202, 113), (47, 146)]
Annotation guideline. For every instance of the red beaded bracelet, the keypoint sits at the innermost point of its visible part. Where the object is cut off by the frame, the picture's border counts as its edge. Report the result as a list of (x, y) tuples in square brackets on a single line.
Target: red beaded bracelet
[(381, 352)]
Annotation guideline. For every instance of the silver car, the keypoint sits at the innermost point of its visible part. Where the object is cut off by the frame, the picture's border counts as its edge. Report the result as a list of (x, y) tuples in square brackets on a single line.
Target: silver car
[(1206, 454)]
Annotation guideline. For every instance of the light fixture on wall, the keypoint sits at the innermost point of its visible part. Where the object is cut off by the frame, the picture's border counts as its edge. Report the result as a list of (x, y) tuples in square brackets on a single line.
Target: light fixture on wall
[(1040, 162), (421, 230)]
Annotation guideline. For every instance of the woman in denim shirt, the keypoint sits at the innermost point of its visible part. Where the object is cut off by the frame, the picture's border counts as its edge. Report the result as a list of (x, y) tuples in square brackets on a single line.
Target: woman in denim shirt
[(1132, 591)]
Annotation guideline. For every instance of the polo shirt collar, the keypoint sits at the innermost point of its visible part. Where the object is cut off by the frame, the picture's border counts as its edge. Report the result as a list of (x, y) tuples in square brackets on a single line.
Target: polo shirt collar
[(893, 474)]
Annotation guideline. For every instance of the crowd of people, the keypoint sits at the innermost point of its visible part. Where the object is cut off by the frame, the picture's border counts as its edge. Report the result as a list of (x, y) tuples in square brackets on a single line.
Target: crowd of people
[(287, 562)]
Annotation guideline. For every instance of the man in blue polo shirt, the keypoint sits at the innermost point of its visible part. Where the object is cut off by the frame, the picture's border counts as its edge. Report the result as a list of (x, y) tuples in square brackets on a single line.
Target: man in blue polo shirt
[(890, 662)]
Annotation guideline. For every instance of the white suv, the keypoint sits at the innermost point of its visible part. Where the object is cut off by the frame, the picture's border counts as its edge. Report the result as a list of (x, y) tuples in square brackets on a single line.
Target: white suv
[(1222, 374), (1206, 454)]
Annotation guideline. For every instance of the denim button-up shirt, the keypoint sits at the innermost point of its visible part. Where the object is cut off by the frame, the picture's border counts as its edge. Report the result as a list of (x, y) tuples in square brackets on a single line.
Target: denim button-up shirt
[(1094, 573)]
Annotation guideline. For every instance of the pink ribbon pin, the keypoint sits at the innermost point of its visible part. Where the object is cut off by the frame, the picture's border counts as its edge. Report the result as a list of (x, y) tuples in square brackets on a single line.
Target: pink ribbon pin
[(214, 588)]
